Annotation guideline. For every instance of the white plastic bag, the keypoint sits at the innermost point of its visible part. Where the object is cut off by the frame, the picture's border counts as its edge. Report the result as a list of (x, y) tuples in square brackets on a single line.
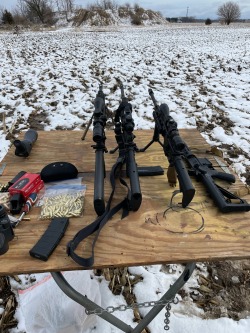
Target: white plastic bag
[(46, 309)]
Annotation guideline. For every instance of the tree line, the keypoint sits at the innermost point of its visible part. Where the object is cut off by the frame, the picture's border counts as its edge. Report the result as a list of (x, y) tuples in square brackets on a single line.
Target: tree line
[(43, 11), (36, 11)]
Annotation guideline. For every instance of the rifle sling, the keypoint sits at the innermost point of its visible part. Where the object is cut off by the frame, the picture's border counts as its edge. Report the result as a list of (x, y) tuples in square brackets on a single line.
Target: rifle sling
[(100, 222)]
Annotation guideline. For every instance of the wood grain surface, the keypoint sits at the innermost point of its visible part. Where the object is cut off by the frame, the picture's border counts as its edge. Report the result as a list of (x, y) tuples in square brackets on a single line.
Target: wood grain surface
[(152, 235)]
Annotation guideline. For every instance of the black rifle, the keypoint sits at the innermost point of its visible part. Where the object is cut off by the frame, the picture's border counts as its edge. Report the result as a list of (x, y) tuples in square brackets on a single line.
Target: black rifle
[(99, 123), (177, 150), (173, 148), (124, 126)]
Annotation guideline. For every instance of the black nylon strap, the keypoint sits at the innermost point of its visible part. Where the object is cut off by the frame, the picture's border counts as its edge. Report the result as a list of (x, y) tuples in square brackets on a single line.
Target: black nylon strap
[(100, 222)]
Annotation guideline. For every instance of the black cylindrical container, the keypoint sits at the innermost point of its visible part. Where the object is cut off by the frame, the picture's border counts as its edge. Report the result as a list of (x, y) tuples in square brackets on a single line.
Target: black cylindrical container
[(23, 148), (6, 230)]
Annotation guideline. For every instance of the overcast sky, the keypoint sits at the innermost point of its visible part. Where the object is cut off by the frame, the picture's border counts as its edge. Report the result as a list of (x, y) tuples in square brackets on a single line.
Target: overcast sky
[(169, 8)]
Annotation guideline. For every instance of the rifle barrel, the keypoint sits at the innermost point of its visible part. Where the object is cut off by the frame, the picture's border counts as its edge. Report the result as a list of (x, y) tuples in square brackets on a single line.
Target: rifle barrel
[(151, 94), (122, 91), (99, 203), (98, 105), (135, 198)]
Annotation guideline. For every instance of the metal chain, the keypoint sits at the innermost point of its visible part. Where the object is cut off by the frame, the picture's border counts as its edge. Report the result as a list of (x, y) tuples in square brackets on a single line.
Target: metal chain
[(167, 313), (123, 307), (167, 316)]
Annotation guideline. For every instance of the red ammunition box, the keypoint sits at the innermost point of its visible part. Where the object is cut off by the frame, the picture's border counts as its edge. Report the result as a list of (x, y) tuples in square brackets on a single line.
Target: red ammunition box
[(28, 183), (38, 187)]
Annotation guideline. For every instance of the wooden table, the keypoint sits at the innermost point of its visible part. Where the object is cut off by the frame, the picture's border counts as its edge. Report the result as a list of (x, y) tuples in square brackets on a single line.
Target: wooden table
[(144, 237)]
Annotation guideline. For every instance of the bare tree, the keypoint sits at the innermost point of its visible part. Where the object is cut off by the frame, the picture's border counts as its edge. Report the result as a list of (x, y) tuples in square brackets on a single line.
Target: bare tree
[(127, 5), (229, 12), (65, 6), (37, 11), (18, 15), (106, 4)]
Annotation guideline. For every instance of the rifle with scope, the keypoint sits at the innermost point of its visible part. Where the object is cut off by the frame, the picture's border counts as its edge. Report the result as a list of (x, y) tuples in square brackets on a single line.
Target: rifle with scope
[(99, 119), (172, 146), (124, 126), (178, 152)]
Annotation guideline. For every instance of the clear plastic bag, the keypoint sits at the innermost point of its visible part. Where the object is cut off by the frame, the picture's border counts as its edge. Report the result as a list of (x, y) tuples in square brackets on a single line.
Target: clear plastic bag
[(63, 199), (46, 309)]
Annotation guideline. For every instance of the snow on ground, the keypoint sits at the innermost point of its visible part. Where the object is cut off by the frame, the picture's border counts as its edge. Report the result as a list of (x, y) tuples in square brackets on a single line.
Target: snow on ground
[(49, 80), (201, 72)]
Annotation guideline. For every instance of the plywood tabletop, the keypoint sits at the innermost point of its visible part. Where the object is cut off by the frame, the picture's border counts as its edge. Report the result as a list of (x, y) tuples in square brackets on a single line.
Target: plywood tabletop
[(152, 235)]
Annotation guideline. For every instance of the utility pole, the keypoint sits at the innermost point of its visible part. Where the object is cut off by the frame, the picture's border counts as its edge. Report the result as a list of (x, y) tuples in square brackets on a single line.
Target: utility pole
[(187, 14)]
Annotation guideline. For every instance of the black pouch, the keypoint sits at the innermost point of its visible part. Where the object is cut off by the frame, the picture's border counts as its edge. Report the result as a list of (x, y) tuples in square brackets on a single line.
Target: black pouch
[(58, 171)]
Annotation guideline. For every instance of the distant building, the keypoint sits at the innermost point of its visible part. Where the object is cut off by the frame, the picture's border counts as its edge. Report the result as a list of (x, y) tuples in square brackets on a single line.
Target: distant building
[(174, 19)]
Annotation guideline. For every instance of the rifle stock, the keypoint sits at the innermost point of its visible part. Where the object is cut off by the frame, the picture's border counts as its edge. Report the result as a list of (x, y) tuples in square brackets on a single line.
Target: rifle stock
[(203, 170)]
